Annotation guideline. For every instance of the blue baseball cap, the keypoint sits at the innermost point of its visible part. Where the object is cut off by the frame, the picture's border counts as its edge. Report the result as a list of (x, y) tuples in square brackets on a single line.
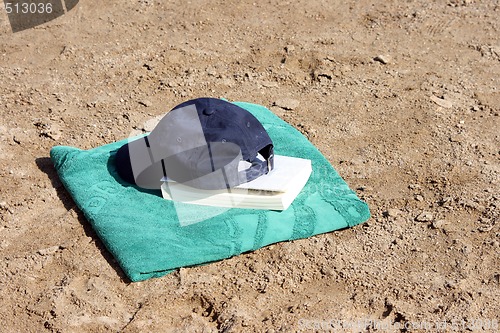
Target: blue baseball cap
[(205, 143)]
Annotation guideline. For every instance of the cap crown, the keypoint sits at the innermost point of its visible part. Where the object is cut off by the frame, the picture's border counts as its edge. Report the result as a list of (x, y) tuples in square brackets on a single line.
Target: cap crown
[(199, 143)]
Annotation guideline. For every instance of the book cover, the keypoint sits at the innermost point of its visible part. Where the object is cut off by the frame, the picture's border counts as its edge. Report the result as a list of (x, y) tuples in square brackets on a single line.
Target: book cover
[(275, 190)]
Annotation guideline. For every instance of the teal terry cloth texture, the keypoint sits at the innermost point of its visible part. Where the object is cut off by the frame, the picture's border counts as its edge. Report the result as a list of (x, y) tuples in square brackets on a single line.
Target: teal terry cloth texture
[(144, 233)]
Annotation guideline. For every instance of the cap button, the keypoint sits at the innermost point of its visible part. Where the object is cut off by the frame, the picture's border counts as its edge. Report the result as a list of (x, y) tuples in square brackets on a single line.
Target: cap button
[(208, 111)]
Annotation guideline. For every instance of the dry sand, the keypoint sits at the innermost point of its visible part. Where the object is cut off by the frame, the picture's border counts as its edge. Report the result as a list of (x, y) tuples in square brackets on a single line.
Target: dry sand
[(402, 97)]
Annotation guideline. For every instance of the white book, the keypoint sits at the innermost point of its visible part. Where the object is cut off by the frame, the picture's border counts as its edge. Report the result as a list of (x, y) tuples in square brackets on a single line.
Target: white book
[(275, 190)]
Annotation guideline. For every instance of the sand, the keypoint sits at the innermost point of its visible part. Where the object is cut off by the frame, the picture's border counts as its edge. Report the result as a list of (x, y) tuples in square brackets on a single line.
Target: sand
[(402, 97)]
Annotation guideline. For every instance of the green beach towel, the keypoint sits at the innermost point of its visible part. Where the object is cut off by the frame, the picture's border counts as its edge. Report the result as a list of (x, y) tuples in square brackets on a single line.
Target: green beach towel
[(145, 235)]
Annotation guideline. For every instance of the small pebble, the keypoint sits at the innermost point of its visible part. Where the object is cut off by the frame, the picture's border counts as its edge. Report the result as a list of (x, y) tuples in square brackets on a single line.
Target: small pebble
[(424, 217), (455, 138), (20, 138), (53, 132), (466, 249), (211, 71), (438, 224), (384, 59), (365, 188), (183, 274), (392, 212), (146, 103), (151, 123), (441, 102), (269, 84), (49, 250), (287, 103)]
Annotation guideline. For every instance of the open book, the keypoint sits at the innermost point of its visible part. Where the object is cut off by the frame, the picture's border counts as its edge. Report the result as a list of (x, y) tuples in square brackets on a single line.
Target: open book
[(275, 190)]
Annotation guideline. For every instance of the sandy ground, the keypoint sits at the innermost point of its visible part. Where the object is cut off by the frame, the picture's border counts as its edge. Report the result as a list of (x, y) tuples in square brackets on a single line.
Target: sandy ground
[(402, 97)]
